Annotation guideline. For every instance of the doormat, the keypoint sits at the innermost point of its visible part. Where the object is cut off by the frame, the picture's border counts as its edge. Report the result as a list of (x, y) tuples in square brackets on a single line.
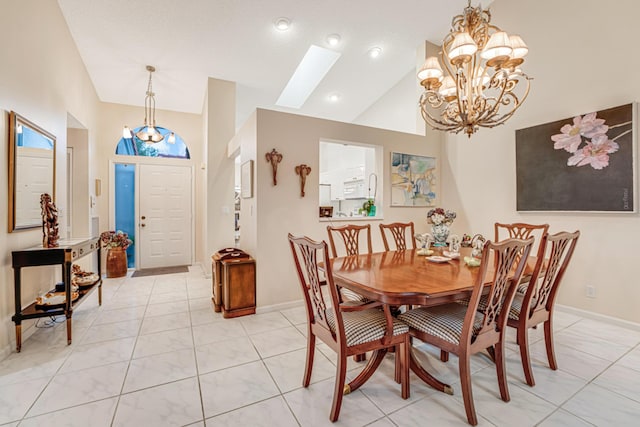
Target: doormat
[(160, 270)]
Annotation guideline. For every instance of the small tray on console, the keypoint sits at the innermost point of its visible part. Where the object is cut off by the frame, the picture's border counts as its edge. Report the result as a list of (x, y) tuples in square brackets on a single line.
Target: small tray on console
[(53, 300)]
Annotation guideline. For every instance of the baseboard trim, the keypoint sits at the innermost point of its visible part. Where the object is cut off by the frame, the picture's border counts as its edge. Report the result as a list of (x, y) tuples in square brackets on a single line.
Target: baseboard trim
[(280, 306), (26, 333), (597, 316)]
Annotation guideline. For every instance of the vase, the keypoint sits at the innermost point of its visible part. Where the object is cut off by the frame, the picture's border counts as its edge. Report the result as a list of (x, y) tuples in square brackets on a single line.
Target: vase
[(116, 262), (440, 234)]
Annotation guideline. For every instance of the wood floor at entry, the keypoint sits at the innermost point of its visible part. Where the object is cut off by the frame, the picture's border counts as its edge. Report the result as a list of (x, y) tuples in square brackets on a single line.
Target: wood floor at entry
[(164, 226)]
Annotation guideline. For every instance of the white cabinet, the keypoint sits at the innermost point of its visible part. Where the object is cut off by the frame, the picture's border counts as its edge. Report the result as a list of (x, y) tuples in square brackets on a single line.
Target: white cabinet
[(355, 173), (355, 189)]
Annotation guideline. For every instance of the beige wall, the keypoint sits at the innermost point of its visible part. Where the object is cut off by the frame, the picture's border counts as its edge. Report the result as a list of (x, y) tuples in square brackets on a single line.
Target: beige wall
[(581, 64), (220, 120), (279, 210), (42, 78)]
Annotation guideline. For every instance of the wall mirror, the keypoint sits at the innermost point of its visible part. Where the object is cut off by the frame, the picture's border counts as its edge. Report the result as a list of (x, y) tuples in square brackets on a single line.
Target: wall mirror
[(32, 171)]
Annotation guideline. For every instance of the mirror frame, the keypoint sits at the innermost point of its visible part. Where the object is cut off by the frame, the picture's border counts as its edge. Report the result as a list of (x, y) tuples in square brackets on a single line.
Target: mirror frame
[(14, 120)]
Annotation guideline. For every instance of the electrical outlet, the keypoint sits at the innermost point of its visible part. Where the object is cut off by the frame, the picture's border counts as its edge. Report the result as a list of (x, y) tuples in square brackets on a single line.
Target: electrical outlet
[(591, 291)]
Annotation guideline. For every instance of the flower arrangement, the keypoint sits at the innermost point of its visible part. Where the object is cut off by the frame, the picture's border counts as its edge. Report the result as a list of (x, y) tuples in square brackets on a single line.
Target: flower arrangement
[(115, 239), (439, 216), (591, 131)]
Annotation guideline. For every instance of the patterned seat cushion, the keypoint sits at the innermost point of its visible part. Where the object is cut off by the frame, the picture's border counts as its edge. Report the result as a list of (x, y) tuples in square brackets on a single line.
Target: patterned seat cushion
[(365, 326), (523, 286), (443, 321), (349, 295)]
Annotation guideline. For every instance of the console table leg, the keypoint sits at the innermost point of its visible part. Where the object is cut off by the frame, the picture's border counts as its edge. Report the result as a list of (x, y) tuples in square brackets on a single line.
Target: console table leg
[(68, 329), (100, 294), (18, 337)]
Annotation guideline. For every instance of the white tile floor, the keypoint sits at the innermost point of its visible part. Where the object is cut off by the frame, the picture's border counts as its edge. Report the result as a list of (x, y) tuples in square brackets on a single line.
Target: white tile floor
[(156, 354)]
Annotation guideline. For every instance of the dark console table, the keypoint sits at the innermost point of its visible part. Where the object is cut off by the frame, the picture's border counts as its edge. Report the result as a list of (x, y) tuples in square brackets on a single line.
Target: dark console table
[(64, 255)]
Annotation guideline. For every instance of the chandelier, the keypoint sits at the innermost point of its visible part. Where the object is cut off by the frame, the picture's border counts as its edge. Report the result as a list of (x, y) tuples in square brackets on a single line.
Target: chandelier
[(482, 84), (148, 133)]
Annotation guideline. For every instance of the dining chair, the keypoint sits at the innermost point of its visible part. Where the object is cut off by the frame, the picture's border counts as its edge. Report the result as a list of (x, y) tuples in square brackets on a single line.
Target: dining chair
[(537, 304), (521, 230), (463, 330), (350, 235), (399, 232), (347, 329)]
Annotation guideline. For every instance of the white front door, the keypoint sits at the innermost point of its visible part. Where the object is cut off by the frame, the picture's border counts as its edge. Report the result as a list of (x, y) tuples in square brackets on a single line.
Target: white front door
[(164, 223)]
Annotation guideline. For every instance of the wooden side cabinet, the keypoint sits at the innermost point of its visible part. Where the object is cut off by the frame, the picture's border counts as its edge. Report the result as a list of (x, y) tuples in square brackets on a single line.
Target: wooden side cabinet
[(238, 287), (216, 284)]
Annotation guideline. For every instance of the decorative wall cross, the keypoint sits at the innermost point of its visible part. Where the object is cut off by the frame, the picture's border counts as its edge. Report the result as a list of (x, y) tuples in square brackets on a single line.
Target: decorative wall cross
[(302, 170), (274, 158)]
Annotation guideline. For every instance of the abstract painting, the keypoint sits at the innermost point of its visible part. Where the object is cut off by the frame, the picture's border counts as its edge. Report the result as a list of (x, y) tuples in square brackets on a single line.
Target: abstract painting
[(413, 180), (582, 163)]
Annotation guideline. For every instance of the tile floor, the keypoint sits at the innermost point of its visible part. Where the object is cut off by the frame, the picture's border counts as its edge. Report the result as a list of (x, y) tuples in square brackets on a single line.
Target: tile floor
[(156, 354)]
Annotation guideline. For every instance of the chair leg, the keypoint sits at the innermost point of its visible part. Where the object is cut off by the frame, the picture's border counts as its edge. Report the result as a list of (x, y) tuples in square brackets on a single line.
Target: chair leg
[(338, 392), (311, 351), (397, 376), (444, 356), (523, 343), (548, 339), (403, 354), (465, 385), (501, 371), (492, 353)]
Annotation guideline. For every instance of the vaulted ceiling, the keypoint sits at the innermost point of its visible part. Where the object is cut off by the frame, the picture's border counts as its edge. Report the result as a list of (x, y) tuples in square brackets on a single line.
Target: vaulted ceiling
[(236, 40)]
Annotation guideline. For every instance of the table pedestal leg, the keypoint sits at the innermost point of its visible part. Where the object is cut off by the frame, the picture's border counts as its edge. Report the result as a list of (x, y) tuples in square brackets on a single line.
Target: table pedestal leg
[(369, 369), (427, 377)]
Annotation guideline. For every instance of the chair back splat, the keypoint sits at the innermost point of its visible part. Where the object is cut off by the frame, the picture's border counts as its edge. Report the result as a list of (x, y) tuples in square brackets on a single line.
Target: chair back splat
[(506, 255), (399, 232), (521, 230), (319, 306), (351, 238)]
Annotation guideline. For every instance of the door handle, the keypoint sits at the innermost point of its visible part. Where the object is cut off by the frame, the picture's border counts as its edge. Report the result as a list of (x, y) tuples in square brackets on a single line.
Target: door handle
[(142, 225), (143, 217)]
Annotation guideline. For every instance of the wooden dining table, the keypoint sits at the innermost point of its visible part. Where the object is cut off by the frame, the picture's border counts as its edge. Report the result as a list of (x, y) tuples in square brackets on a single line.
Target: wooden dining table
[(407, 278)]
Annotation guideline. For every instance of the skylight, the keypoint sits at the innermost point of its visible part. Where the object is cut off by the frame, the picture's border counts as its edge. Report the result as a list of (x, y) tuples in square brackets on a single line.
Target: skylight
[(314, 66)]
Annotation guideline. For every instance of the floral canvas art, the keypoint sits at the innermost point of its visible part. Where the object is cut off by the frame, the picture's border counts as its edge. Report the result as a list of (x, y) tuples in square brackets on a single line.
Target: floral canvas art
[(413, 180), (582, 163)]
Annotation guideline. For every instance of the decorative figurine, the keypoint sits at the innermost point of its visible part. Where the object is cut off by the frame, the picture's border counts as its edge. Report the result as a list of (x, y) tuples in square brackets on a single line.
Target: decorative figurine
[(454, 244), (49, 222), (302, 170), (424, 240), (477, 243), (274, 158)]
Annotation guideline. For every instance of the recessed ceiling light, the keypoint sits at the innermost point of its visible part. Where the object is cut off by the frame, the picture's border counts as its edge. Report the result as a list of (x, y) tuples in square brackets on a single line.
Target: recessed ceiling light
[(282, 24), (334, 97), (333, 39), (374, 52)]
